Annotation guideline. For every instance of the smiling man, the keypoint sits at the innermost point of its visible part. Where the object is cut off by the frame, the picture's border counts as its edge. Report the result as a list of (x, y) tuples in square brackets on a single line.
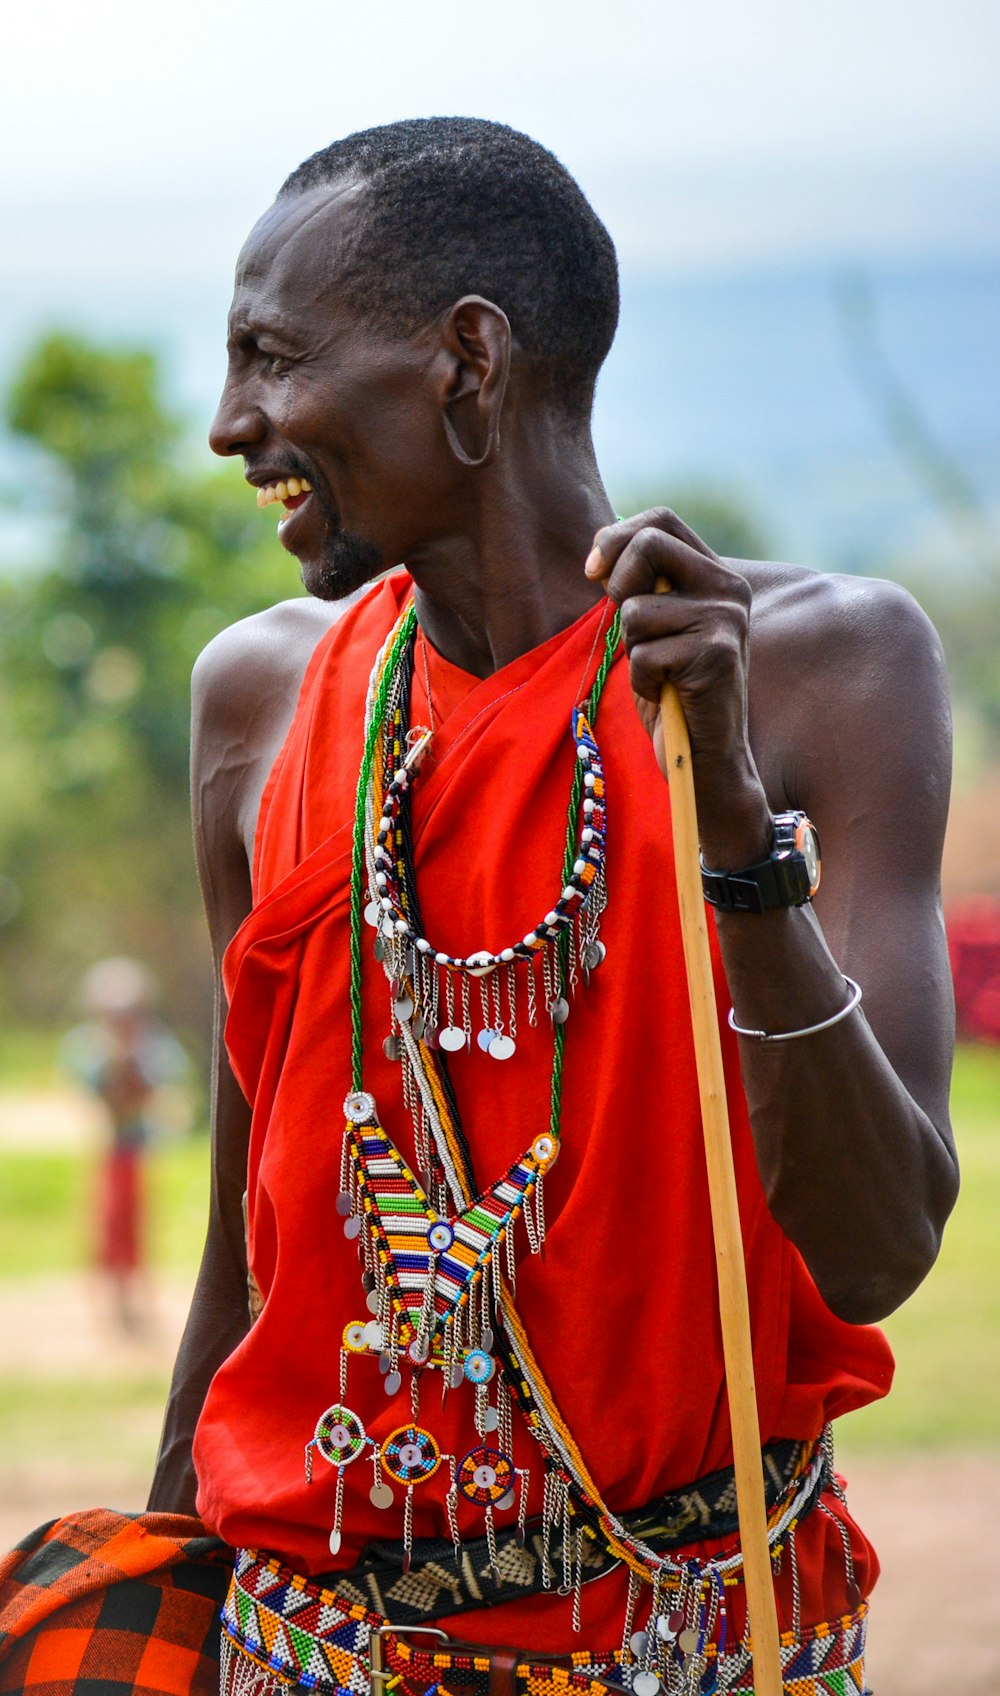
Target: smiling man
[(482, 1391)]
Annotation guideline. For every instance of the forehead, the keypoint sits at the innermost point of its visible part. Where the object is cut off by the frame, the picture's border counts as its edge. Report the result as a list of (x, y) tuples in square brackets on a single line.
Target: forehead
[(288, 261)]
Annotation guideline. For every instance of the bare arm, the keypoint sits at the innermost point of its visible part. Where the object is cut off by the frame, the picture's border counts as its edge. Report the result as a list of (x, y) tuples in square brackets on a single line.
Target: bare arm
[(847, 719), (244, 690), (219, 1317)]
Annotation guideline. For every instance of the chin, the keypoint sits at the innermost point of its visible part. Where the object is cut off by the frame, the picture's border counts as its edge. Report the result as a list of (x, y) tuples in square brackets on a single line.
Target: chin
[(347, 563)]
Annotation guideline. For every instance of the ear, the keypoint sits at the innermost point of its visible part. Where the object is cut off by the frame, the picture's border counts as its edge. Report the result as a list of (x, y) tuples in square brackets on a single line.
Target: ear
[(475, 338)]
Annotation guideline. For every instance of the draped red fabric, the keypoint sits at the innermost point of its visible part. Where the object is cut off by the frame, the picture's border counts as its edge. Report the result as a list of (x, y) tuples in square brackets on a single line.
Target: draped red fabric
[(621, 1310)]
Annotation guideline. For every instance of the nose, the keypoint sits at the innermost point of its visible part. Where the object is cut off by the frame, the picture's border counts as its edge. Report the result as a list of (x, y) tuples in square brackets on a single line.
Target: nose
[(237, 424)]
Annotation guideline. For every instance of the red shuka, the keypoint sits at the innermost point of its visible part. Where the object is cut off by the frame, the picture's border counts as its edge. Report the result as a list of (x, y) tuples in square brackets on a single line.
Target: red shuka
[(621, 1310)]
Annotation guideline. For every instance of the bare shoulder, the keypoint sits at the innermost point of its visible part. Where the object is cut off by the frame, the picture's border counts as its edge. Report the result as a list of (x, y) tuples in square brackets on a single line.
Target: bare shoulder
[(268, 651), (244, 689), (843, 665), (827, 617)]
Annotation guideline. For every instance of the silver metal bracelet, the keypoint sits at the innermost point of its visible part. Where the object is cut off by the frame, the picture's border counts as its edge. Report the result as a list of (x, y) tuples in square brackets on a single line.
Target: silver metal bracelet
[(810, 1030)]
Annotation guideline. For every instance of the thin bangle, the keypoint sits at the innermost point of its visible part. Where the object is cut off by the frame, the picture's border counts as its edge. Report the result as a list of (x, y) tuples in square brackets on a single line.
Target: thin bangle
[(810, 1030)]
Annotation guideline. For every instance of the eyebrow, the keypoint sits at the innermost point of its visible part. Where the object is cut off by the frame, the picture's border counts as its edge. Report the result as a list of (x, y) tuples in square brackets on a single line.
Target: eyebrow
[(248, 330)]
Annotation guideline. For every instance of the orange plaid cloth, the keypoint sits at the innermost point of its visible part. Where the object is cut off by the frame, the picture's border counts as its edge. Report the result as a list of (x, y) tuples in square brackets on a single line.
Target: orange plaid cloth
[(111, 1604)]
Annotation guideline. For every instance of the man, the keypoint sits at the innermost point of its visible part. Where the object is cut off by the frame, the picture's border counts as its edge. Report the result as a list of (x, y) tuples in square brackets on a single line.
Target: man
[(415, 336)]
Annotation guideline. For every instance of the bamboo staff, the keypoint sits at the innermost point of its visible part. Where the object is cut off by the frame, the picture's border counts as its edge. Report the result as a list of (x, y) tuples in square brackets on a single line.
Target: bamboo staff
[(734, 1310)]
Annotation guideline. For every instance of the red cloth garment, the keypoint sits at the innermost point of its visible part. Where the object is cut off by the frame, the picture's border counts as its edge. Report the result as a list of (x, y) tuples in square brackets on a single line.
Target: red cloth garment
[(121, 1209), (621, 1310)]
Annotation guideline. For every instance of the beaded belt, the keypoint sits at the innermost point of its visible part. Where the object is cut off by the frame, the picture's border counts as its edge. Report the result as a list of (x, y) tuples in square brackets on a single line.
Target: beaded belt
[(331, 1634), (282, 1632)]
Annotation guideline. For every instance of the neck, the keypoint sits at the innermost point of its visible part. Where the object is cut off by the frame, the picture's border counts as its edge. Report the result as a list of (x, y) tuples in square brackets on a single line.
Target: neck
[(511, 574)]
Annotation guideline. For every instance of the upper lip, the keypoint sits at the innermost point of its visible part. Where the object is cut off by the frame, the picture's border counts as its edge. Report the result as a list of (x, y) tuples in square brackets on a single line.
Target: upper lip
[(276, 474)]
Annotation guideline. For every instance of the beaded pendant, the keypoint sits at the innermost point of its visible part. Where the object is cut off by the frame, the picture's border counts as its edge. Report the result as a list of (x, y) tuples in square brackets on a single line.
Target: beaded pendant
[(438, 1258)]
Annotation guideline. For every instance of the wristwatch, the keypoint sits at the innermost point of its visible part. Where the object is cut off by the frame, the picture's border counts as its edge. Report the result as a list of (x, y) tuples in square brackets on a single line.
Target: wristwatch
[(787, 878)]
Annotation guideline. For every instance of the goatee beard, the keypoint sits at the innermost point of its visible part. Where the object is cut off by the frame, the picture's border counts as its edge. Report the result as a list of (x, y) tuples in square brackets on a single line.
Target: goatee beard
[(348, 564)]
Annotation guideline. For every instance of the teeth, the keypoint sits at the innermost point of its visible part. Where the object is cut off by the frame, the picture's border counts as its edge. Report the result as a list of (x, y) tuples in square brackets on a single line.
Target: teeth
[(283, 491)]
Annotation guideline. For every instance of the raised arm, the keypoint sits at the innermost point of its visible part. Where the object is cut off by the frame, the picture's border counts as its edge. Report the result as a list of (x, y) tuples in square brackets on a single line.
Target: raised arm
[(843, 714)]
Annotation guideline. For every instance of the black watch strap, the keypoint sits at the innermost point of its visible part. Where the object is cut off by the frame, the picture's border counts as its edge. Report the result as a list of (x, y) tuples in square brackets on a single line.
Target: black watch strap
[(782, 880)]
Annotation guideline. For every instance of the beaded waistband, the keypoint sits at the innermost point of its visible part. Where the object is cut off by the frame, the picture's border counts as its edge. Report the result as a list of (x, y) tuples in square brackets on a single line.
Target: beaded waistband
[(282, 1632), (317, 1633)]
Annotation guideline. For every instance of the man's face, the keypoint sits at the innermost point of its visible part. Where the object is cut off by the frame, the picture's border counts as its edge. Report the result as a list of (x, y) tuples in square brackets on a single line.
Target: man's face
[(314, 394)]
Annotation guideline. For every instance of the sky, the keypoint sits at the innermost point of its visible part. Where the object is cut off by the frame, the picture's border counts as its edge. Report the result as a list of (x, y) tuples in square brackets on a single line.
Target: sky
[(144, 138), (140, 141)]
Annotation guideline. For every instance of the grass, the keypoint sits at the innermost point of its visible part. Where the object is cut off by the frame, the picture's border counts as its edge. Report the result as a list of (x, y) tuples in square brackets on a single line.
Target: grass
[(46, 1201), (947, 1337)]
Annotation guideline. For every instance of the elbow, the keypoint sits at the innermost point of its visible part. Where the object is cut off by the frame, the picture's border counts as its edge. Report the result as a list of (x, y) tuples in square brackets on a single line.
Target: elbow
[(877, 1257), (874, 1285)]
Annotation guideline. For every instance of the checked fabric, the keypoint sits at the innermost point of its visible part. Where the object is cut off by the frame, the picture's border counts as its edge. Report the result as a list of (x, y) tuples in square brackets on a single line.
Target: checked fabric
[(109, 1604)]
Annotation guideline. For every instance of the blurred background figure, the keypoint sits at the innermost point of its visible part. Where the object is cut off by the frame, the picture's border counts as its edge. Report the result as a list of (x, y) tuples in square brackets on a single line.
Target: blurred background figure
[(134, 1066)]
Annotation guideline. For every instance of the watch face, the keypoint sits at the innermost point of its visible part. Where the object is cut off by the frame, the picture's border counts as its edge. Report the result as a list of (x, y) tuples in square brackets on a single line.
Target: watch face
[(807, 842)]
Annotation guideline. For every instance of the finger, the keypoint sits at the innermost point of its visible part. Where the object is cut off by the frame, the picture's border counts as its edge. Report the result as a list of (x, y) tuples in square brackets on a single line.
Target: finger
[(652, 560), (685, 660), (653, 618), (613, 538)]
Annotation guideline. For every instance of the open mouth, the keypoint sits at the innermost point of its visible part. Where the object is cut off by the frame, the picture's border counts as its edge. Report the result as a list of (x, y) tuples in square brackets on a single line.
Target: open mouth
[(291, 492)]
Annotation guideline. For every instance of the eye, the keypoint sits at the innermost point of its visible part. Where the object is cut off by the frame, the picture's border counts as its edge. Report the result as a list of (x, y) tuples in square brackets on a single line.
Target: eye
[(276, 364)]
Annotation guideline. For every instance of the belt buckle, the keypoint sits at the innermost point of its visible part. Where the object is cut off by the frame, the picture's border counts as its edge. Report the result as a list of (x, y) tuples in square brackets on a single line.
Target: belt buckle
[(377, 1669)]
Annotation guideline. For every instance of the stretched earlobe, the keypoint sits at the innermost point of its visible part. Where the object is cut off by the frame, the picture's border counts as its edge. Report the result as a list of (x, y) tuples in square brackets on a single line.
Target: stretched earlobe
[(489, 452)]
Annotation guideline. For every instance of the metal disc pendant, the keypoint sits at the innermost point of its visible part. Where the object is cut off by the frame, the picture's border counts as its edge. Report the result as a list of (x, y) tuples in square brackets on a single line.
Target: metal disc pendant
[(687, 1642), (373, 914), (491, 1419), (392, 1048), (559, 1010), (345, 1201), (403, 1008), (378, 948), (373, 1302), (373, 1334), (457, 1375), (367, 1282), (392, 1383), (501, 1048), (637, 1644), (352, 1227), (381, 1496), (451, 1038), (418, 1026), (335, 1541), (485, 1038), (645, 1684), (594, 955), (486, 1339)]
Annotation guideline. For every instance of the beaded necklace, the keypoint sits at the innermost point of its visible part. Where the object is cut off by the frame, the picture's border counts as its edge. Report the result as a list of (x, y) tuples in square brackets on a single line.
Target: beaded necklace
[(438, 1295)]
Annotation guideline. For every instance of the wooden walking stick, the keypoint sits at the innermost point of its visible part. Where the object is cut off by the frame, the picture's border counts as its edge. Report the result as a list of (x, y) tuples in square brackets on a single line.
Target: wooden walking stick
[(734, 1310)]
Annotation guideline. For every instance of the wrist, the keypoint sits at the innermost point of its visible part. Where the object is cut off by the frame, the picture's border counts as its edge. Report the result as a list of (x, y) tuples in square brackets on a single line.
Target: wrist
[(788, 876), (736, 829)]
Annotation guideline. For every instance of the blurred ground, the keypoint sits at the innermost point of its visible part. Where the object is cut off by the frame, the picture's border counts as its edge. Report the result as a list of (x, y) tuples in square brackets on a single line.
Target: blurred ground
[(81, 1404)]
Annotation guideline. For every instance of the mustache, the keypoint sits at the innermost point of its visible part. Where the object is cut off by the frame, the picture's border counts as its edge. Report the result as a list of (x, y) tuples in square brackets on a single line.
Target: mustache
[(290, 465)]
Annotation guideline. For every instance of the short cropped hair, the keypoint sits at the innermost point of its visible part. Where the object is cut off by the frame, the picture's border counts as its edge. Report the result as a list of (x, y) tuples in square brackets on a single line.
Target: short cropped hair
[(465, 206)]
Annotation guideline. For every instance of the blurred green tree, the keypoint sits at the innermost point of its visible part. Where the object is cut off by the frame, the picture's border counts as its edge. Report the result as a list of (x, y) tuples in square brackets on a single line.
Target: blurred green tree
[(721, 516), (156, 554)]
